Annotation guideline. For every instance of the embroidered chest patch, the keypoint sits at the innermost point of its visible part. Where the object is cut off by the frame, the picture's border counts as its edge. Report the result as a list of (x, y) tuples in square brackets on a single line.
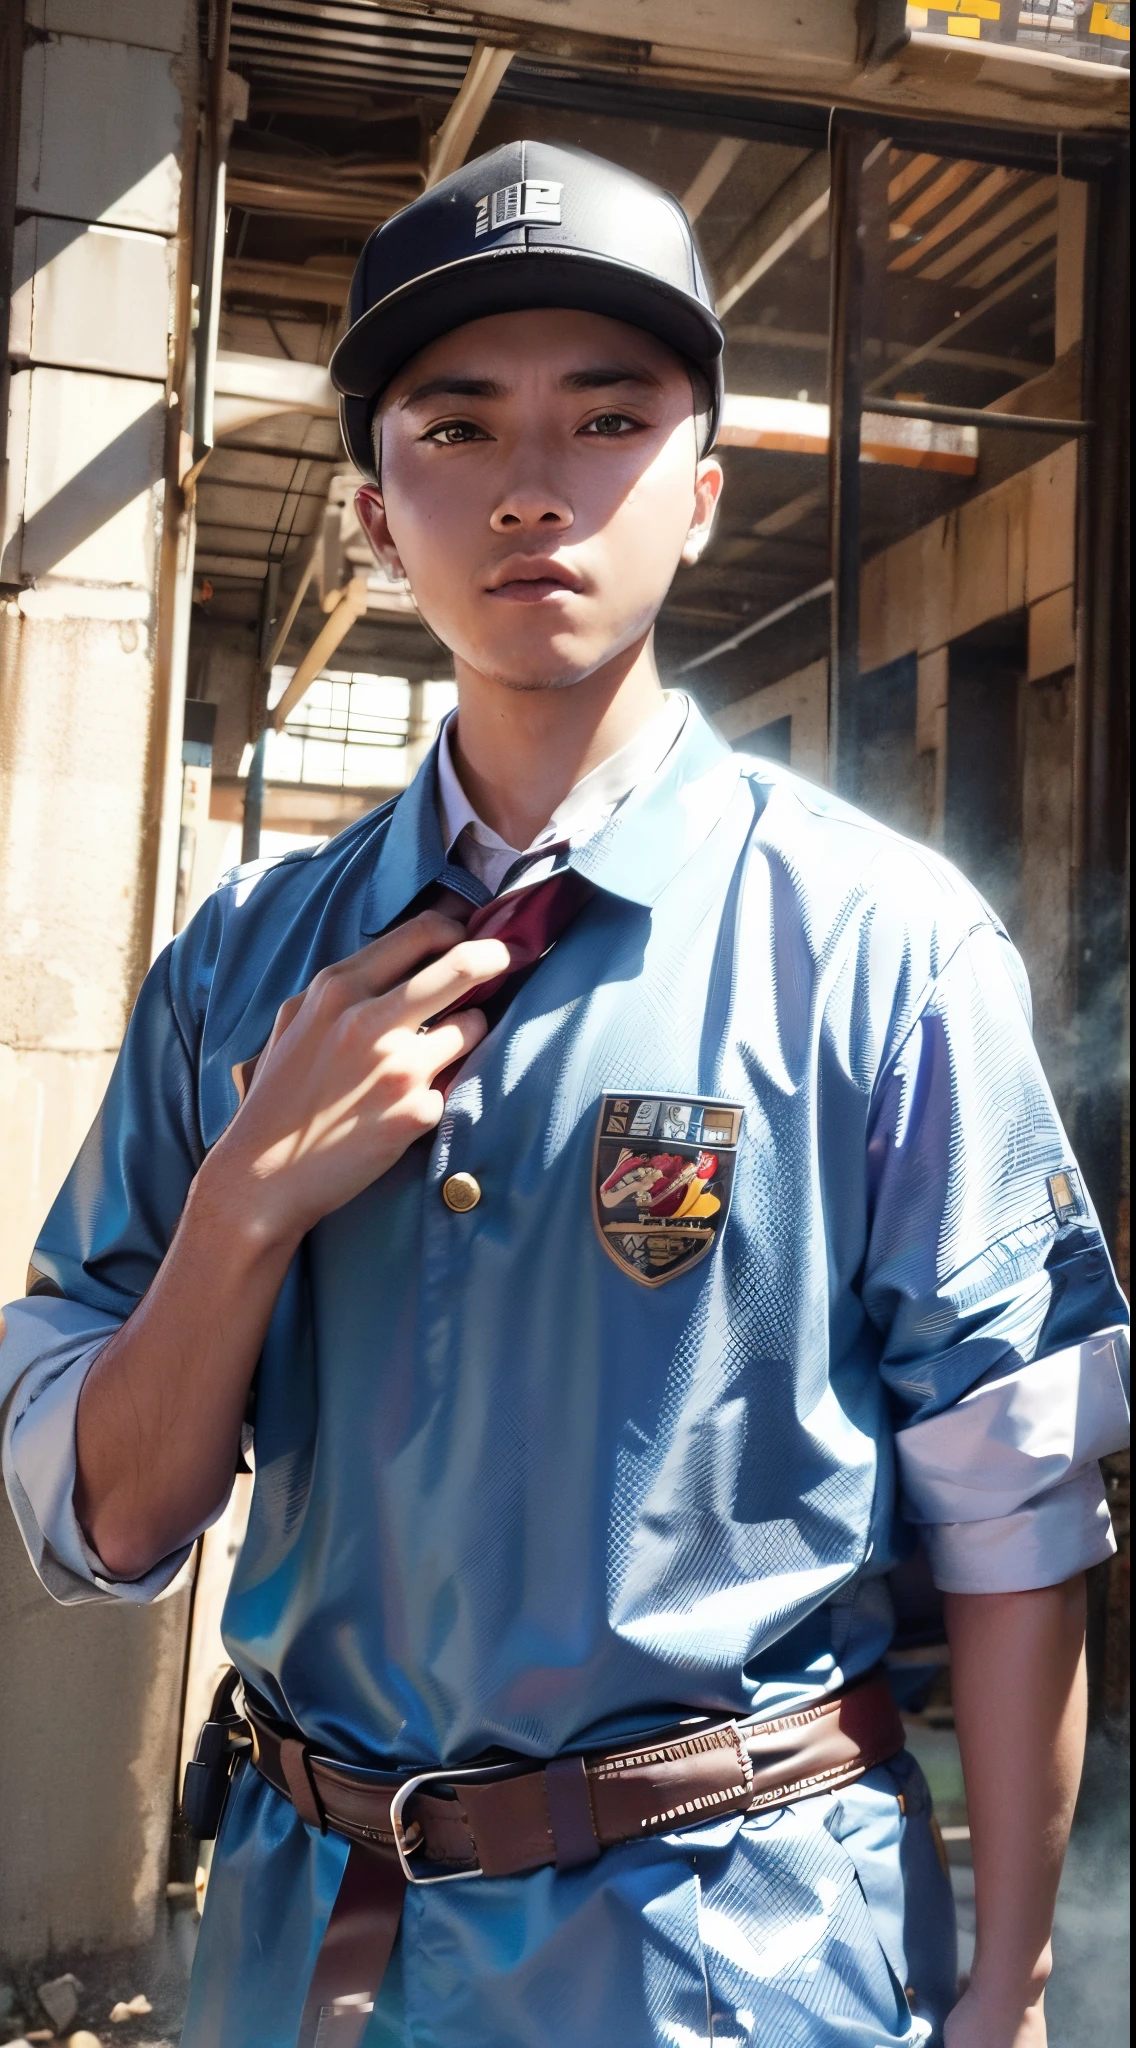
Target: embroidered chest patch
[(661, 1181)]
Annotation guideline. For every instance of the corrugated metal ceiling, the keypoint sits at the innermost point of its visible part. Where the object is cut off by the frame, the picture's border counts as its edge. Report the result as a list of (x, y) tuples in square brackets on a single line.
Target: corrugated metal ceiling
[(351, 42)]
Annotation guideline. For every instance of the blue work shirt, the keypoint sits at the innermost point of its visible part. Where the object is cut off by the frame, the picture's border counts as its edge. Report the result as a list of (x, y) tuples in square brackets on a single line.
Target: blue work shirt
[(507, 1493)]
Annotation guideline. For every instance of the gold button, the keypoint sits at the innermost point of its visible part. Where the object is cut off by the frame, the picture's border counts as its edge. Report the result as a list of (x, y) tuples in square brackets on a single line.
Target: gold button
[(461, 1192)]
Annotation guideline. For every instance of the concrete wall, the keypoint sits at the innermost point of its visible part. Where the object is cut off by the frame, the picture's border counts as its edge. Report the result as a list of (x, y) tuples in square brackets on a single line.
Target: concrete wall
[(1010, 548), (1008, 551), (92, 554), (88, 1705), (803, 697)]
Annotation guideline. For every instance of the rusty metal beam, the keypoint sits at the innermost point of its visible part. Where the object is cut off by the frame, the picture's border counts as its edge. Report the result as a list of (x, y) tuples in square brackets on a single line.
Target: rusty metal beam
[(850, 147), (351, 606)]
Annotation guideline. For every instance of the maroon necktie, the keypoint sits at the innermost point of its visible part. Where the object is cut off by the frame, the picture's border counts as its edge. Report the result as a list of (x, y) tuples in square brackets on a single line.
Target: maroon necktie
[(529, 922)]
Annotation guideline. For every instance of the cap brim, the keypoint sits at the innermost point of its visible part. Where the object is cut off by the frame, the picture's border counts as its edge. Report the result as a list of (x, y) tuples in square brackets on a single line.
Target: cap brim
[(513, 281)]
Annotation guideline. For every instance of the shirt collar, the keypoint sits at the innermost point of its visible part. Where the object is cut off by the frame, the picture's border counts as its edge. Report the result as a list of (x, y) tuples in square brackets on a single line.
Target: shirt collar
[(588, 804), (648, 837)]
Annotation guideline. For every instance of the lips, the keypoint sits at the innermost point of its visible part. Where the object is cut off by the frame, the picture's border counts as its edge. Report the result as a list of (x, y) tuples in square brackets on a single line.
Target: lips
[(529, 579)]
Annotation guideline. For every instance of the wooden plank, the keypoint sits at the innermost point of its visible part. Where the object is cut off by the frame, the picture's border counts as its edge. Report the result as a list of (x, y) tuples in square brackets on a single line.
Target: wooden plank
[(297, 807), (1036, 193), (254, 505), (1031, 237), (248, 468), (1056, 393), (232, 540), (755, 336), (333, 202), (920, 444), (931, 699), (944, 188), (912, 174), (788, 214), (794, 427), (1072, 236), (357, 170), (217, 539), (308, 437), (713, 174), (292, 282), (1052, 523), (973, 201), (244, 568), (789, 515), (487, 67), (1052, 635)]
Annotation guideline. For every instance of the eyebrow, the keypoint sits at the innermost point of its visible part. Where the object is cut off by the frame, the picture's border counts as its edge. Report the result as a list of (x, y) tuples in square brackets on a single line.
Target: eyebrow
[(454, 387), (603, 375), (599, 377)]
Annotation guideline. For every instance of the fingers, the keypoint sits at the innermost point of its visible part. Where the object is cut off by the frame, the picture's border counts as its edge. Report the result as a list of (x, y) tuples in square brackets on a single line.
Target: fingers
[(388, 960), (453, 1040), (446, 981), (381, 966), (245, 1072), (284, 1016)]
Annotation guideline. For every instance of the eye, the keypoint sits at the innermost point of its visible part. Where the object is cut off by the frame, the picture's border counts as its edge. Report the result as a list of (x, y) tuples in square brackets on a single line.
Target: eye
[(453, 433), (611, 426)]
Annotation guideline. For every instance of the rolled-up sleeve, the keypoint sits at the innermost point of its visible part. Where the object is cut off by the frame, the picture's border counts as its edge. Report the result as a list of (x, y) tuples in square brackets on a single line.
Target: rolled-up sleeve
[(1007, 1482), (103, 1241), (49, 1348), (1004, 1332)]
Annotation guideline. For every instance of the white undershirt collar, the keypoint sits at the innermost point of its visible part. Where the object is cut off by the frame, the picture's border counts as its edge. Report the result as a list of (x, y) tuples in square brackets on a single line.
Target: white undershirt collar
[(577, 818)]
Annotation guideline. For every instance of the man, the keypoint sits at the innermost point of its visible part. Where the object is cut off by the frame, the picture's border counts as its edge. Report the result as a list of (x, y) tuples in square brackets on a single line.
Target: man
[(576, 1282)]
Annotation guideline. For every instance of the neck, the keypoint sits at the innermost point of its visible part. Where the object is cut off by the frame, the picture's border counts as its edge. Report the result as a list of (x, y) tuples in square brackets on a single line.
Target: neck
[(519, 752)]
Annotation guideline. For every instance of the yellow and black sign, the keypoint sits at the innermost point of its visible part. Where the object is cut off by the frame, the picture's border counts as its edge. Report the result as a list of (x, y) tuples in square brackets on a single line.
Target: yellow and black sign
[(1107, 19)]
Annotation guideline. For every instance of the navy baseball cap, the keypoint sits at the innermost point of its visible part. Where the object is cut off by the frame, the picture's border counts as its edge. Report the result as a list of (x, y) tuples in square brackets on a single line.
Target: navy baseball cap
[(530, 224)]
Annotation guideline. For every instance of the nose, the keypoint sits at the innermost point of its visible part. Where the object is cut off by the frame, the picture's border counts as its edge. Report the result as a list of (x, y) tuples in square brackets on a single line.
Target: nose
[(530, 508)]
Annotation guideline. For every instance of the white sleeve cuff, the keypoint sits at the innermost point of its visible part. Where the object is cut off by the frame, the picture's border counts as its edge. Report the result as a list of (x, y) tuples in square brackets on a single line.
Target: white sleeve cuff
[(49, 1348), (1063, 1532), (1010, 1439), (1006, 1482)]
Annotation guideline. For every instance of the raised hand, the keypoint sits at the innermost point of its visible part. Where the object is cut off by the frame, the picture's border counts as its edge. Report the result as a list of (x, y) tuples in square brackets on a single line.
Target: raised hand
[(346, 1081), (343, 1087)]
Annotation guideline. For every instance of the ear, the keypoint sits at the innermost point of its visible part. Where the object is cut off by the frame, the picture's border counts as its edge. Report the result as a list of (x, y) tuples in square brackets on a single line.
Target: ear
[(372, 516), (709, 480)]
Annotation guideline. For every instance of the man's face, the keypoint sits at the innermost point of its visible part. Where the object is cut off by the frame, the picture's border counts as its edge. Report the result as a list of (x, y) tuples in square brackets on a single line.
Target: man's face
[(540, 485)]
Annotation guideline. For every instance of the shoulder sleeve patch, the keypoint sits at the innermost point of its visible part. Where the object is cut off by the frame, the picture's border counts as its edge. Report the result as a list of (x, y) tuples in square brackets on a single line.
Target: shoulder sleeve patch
[(1066, 1195)]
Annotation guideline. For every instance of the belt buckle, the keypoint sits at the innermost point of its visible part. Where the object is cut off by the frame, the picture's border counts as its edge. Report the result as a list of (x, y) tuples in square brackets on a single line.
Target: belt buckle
[(404, 1847)]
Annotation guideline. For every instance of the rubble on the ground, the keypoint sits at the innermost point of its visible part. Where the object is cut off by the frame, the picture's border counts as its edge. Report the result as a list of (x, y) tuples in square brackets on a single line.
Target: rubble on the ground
[(130, 2008), (59, 1998)]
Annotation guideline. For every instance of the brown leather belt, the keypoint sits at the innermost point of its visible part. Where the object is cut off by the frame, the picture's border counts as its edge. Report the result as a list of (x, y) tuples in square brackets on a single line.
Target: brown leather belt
[(498, 1819)]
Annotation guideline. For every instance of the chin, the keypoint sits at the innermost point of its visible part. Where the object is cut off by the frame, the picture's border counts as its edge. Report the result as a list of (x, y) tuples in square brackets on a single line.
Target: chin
[(531, 683), (545, 666)]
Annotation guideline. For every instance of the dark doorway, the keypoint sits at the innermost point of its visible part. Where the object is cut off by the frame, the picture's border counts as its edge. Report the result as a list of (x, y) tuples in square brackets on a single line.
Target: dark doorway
[(983, 818), (773, 741), (889, 779)]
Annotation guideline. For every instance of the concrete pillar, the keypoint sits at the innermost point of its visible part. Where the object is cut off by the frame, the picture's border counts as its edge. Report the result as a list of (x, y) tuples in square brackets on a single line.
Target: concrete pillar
[(92, 626)]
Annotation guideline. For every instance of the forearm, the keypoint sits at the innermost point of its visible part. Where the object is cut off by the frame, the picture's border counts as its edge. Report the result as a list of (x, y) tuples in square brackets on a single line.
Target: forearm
[(159, 1419), (343, 1086), (1018, 1683)]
